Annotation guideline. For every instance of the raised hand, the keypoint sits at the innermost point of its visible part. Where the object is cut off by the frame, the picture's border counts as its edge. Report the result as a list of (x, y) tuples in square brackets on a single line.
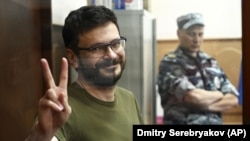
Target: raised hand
[(54, 109)]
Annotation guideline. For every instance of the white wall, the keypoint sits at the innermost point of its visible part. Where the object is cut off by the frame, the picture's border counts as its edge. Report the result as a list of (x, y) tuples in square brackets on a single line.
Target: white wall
[(222, 17), (61, 9)]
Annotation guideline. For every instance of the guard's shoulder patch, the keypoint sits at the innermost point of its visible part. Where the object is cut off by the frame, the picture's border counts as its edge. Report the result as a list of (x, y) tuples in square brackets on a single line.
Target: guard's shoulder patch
[(171, 55)]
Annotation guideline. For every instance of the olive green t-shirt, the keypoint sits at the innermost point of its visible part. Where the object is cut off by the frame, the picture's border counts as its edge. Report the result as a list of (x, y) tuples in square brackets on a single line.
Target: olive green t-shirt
[(95, 120)]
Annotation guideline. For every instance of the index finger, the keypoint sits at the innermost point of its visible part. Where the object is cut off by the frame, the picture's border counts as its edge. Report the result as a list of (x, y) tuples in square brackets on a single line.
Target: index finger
[(63, 82), (47, 74)]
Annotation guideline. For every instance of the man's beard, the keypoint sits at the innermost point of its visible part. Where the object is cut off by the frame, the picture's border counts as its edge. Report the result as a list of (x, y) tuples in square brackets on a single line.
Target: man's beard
[(94, 77)]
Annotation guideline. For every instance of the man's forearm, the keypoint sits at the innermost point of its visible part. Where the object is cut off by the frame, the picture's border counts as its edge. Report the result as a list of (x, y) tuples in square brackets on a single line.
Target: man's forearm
[(203, 97), (37, 135), (227, 102)]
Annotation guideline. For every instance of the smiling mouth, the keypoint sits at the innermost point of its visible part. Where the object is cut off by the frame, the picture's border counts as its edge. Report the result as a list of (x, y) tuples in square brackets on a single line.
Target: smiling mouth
[(110, 67), (108, 64)]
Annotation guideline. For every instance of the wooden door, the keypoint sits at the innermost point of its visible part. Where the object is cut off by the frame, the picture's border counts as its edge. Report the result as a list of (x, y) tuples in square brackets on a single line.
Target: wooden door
[(246, 60), (25, 37)]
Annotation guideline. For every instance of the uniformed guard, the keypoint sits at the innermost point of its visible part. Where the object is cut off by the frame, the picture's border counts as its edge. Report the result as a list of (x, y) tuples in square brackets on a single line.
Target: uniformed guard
[(193, 88)]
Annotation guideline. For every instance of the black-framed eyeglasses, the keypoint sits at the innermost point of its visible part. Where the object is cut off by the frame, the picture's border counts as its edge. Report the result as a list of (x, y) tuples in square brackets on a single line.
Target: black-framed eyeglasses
[(98, 50)]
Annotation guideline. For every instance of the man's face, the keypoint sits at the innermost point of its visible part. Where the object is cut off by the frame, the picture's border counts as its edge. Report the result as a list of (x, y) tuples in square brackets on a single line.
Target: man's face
[(191, 38), (104, 70)]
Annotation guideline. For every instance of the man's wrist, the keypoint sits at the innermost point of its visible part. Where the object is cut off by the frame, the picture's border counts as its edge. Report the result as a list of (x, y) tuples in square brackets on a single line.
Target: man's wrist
[(37, 134)]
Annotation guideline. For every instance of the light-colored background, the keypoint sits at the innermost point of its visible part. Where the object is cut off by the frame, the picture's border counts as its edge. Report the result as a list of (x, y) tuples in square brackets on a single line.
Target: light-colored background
[(222, 17)]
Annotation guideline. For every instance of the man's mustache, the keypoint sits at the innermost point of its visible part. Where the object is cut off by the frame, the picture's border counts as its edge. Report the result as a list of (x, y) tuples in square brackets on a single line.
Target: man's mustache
[(107, 63)]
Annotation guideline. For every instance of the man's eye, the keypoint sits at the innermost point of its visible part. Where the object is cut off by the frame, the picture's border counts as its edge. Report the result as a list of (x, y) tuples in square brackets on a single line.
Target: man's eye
[(97, 47), (191, 34), (116, 44), (94, 49)]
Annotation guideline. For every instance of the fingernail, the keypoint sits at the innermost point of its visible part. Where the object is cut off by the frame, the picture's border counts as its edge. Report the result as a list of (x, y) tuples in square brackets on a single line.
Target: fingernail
[(60, 106)]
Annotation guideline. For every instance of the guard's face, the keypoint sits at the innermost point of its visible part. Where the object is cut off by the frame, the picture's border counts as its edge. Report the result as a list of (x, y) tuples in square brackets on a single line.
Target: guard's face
[(104, 70), (191, 38)]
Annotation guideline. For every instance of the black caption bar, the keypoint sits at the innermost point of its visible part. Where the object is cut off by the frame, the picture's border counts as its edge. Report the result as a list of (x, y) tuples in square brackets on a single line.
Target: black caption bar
[(194, 132)]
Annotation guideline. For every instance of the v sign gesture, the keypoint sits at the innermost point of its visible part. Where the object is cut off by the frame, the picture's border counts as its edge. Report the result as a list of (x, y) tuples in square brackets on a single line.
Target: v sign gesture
[(54, 109)]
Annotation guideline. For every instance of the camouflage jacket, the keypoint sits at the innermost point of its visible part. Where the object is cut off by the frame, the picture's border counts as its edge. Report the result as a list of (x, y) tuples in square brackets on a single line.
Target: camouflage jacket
[(180, 72)]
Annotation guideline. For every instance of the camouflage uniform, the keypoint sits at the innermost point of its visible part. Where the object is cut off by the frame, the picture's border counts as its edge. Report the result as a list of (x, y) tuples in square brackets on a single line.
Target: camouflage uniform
[(180, 72)]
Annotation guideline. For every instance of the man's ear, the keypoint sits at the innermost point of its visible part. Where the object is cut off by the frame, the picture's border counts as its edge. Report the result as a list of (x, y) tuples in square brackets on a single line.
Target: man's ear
[(178, 33), (72, 58)]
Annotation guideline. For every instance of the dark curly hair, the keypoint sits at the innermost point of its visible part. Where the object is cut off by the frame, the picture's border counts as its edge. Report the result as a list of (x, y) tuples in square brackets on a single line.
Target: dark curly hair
[(83, 20)]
